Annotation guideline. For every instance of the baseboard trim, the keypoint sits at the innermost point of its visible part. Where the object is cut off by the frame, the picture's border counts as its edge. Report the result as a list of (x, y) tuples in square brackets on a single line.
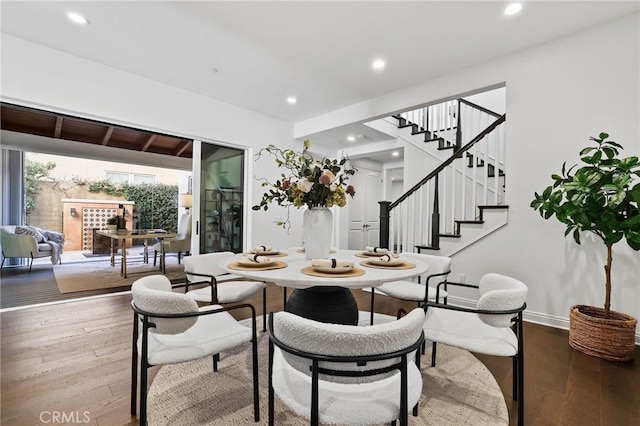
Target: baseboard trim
[(529, 316)]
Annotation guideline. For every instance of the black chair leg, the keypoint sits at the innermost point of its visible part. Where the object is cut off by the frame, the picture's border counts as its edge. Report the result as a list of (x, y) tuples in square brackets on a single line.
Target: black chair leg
[(155, 257), (284, 298), (270, 385), (216, 358), (433, 354), (373, 293), (264, 309)]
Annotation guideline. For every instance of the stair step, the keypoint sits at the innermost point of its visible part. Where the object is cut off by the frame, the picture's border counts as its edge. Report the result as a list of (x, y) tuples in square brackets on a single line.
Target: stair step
[(450, 235), (427, 248)]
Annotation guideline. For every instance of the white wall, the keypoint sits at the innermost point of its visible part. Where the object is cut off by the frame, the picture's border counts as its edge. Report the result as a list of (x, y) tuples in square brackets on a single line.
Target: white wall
[(558, 94), (36, 76)]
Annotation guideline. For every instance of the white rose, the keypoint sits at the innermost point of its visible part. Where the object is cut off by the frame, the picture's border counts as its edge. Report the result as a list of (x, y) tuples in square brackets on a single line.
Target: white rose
[(333, 187), (305, 185)]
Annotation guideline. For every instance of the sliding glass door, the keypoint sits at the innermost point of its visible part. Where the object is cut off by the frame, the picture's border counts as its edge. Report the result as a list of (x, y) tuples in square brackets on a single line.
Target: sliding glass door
[(218, 198)]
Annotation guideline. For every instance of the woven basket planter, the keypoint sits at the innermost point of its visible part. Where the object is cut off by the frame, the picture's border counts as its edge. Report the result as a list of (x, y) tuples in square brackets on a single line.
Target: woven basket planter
[(610, 338)]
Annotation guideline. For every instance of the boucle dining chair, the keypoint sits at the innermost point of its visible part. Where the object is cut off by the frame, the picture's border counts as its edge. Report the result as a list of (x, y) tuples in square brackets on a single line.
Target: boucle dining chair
[(422, 288), (222, 287), (169, 328), (344, 374), (494, 327)]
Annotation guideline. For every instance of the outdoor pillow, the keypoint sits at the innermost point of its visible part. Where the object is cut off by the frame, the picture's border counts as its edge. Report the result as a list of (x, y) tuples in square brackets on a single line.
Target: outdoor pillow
[(33, 231)]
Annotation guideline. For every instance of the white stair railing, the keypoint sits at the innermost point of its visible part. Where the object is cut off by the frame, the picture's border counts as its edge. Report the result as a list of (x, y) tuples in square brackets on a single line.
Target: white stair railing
[(472, 176)]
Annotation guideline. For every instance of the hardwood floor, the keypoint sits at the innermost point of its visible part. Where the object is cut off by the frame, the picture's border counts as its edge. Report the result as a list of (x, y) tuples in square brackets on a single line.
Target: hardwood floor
[(74, 359)]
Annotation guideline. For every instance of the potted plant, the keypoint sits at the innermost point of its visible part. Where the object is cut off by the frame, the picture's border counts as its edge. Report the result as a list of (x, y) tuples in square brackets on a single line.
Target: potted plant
[(602, 196), (120, 222), (112, 224)]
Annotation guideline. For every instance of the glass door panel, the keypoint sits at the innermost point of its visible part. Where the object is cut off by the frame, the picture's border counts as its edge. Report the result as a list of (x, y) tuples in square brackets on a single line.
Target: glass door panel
[(219, 187)]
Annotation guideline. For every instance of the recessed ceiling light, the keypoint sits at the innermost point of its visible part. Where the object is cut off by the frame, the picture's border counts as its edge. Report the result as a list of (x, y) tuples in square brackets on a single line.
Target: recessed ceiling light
[(395, 153), (292, 100), (77, 18), (513, 8), (351, 138), (378, 64)]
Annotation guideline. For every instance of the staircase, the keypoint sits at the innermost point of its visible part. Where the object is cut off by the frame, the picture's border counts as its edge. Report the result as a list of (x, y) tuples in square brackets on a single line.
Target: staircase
[(462, 199)]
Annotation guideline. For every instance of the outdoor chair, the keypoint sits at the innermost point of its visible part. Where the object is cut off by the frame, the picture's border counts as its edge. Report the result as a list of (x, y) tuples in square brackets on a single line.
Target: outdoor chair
[(169, 328), (180, 244), (494, 327), (344, 374)]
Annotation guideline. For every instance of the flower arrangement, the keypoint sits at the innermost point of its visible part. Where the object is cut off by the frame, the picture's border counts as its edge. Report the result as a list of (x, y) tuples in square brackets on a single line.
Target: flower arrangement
[(306, 181)]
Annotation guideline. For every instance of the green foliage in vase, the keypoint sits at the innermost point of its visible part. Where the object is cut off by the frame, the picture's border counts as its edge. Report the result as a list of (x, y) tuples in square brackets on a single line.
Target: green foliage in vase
[(306, 181)]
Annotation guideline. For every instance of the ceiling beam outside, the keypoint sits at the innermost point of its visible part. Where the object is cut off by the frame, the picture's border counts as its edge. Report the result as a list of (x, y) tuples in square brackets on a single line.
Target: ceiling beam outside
[(148, 143), (58, 129), (182, 146), (107, 135)]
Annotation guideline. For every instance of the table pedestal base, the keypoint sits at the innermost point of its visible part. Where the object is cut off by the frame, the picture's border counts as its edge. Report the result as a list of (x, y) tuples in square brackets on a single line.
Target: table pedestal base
[(325, 304)]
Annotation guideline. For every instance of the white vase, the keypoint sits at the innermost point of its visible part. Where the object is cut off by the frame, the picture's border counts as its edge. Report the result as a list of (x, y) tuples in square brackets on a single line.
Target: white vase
[(317, 228)]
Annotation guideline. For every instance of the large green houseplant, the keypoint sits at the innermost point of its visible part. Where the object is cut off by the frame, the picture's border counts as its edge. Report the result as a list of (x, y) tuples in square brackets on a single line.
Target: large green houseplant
[(602, 196)]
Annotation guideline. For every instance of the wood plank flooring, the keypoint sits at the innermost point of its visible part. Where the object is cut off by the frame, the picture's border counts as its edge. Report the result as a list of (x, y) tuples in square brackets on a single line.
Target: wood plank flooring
[(74, 358)]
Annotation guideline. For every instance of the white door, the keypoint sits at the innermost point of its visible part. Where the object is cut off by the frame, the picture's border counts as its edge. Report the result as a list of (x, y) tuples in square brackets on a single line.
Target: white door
[(364, 210)]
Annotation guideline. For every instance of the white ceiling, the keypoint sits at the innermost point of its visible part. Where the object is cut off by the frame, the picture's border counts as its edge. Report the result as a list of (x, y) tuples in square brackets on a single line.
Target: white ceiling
[(319, 52)]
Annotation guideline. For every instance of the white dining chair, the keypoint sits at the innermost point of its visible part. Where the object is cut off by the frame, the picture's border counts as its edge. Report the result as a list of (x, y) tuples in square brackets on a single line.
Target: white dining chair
[(169, 328), (493, 327), (420, 289), (344, 374), (221, 287)]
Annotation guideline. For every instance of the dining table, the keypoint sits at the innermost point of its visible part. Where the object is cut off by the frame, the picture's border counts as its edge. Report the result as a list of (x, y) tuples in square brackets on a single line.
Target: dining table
[(123, 235), (319, 293)]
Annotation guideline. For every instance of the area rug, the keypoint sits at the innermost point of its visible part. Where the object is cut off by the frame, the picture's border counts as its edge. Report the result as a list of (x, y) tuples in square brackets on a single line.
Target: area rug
[(83, 276), (458, 391)]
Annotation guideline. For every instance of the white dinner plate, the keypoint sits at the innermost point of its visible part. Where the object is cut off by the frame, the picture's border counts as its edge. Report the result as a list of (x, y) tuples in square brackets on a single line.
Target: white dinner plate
[(371, 253), (330, 270), (265, 253), (391, 262), (251, 264)]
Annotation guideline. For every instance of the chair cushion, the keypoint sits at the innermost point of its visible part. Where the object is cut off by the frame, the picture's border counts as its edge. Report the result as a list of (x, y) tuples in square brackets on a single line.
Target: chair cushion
[(366, 403), (346, 340), (153, 294), (44, 247), (208, 263), (467, 331), (228, 291), (500, 292), (210, 335), (408, 290)]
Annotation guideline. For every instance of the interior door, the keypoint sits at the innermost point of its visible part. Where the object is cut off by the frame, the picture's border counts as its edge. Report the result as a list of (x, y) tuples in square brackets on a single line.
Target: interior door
[(218, 198), (364, 222)]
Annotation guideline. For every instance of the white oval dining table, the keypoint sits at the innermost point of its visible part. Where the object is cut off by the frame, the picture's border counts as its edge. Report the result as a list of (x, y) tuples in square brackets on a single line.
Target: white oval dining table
[(324, 298)]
